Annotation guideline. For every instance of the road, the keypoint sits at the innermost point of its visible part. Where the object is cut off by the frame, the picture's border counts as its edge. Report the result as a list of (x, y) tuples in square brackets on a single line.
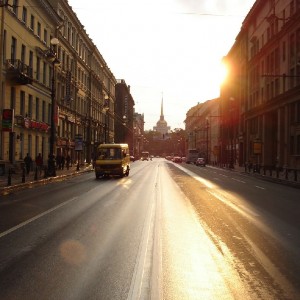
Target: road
[(168, 231)]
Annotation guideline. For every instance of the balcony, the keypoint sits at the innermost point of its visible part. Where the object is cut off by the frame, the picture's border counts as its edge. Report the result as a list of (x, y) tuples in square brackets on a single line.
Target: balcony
[(18, 73)]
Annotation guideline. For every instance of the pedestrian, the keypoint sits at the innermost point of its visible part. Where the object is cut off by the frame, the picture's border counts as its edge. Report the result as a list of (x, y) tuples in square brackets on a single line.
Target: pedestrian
[(63, 161), (28, 162), (39, 163), (68, 160), (58, 161)]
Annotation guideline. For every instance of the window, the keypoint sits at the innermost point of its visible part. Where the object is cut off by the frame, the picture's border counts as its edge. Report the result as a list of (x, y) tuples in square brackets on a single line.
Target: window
[(37, 109), (4, 47), (69, 32), (24, 15), (23, 53), (30, 106), (22, 103), (45, 36), (44, 111), (39, 29), (32, 22), (15, 7), (38, 66), (13, 48), (31, 59), (44, 73), (73, 37)]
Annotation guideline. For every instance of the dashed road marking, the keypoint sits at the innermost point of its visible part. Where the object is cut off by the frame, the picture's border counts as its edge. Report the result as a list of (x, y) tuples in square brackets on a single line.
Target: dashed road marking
[(260, 187), (238, 180)]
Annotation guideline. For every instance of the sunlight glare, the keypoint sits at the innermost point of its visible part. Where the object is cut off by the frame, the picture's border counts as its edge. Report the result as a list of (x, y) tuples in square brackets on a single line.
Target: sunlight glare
[(223, 73)]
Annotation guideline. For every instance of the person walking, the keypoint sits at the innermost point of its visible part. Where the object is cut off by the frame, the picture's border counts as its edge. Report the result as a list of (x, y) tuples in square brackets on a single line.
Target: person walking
[(63, 159), (28, 162), (39, 163), (68, 161), (58, 161)]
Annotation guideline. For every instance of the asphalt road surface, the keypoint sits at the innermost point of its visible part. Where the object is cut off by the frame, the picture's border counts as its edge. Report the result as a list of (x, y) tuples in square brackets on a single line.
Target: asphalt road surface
[(168, 231)]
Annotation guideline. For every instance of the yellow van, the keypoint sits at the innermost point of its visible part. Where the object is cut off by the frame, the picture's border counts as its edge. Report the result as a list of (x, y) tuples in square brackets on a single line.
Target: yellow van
[(112, 159)]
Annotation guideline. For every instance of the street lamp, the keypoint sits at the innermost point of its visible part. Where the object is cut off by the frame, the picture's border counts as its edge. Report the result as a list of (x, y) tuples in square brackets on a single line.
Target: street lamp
[(52, 56)]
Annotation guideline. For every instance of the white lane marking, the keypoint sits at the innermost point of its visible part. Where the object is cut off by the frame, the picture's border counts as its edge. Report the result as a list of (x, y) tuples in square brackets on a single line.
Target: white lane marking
[(238, 180), (260, 187), (36, 217)]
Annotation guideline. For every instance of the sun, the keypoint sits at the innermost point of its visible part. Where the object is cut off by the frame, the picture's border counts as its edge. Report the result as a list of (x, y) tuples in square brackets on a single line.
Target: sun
[(223, 73), (212, 76)]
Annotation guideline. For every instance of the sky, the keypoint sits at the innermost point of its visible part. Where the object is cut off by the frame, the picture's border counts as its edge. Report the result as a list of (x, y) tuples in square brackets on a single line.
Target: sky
[(164, 49)]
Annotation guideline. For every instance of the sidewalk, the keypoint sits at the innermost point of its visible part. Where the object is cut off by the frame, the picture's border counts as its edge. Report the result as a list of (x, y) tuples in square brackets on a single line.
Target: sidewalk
[(18, 181), (286, 177)]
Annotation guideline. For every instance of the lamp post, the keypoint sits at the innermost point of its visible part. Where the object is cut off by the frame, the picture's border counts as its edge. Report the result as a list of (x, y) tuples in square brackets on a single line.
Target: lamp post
[(52, 56)]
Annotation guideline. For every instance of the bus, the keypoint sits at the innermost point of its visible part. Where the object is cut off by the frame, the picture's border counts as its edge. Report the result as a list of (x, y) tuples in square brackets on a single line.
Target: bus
[(112, 159), (192, 156), (145, 155)]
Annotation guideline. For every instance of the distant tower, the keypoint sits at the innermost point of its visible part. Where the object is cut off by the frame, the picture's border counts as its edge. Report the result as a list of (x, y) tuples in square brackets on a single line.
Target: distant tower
[(161, 125)]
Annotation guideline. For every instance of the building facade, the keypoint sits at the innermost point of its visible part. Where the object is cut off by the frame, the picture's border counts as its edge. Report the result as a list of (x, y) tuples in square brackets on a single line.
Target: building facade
[(124, 115), (202, 128), (138, 136), (266, 64), (259, 105), (26, 78), (162, 127), (77, 83)]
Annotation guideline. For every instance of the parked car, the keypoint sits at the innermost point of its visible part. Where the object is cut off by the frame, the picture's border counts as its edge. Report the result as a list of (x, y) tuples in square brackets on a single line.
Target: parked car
[(177, 159), (200, 162)]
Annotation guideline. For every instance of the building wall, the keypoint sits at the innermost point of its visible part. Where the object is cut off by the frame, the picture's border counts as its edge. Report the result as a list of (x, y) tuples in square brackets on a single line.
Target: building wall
[(25, 30), (84, 84), (264, 82), (274, 64), (202, 126), (124, 115)]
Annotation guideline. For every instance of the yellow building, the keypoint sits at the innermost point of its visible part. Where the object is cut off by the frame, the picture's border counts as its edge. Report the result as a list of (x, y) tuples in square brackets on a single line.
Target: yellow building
[(26, 31), (77, 80)]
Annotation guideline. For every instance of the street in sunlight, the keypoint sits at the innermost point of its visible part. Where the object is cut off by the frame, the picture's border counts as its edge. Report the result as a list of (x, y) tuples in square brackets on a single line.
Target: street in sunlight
[(167, 231)]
